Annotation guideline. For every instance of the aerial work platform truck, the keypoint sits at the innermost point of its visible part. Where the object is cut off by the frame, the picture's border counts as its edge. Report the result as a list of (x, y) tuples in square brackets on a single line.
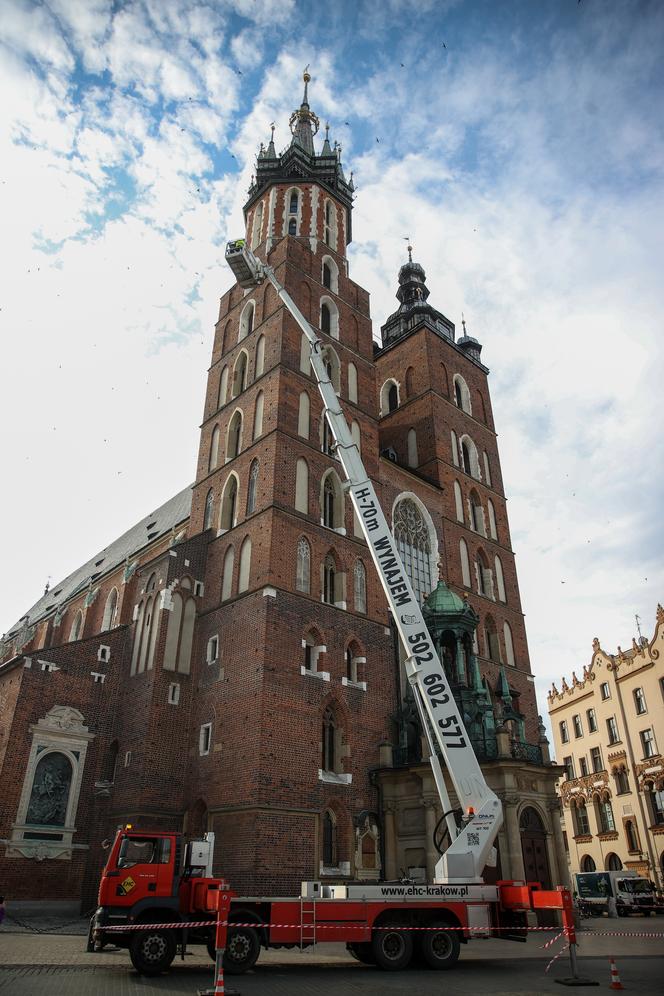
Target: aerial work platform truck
[(148, 880)]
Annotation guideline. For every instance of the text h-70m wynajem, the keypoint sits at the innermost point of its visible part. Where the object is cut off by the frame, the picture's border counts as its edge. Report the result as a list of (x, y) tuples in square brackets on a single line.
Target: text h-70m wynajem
[(471, 848)]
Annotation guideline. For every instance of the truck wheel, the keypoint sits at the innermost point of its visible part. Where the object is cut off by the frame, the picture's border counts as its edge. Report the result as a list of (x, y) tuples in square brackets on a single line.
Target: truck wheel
[(440, 946), (363, 952), (152, 951), (392, 948), (242, 949)]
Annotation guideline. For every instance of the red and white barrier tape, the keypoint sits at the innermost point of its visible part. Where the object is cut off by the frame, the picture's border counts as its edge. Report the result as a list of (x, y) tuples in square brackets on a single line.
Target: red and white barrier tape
[(557, 955), (550, 943)]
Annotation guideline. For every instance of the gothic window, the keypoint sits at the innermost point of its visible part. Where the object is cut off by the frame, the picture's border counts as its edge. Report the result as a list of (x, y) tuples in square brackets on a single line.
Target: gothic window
[(492, 641), (325, 318), (330, 225), (332, 502), (110, 610), (214, 449), (389, 397), (492, 520), (352, 383), (209, 509), (332, 366), (252, 487), (258, 415), (259, 363), (227, 574), (302, 486), (328, 759), (228, 513), (487, 469), (258, 226), (329, 840), (476, 513), (329, 318), (293, 202), (330, 274), (632, 837), (223, 388), (245, 565), (455, 447), (292, 226), (500, 580), (356, 436), (469, 458), (329, 580), (303, 416), (458, 501), (313, 648), (412, 448), (509, 644), (234, 436), (303, 579), (484, 576), (410, 382), (327, 276), (413, 540), (50, 791), (462, 394), (327, 445), (622, 781), (360, 586), (76, 627), (247, 320), (239, 374)]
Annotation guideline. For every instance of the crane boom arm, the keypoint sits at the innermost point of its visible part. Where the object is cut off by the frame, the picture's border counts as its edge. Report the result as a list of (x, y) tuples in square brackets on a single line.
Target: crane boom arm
[(470, 850)]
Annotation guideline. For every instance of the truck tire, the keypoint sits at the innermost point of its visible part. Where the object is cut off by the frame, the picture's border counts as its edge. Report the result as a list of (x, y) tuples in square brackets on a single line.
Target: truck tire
[(392, 948), (440, 946), (152, 951), (243, 947), (362, 952)]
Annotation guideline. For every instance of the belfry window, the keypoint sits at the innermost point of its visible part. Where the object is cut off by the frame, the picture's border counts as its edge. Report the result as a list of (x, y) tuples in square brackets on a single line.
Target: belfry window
[(293, 203), (292, 226)]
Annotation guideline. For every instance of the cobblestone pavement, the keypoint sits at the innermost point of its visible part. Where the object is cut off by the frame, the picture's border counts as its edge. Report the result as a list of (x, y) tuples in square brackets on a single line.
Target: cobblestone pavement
[(48, 964)]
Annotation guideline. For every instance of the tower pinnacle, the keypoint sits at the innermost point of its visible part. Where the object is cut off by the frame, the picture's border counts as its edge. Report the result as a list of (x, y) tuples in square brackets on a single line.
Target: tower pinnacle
[(303, 123)]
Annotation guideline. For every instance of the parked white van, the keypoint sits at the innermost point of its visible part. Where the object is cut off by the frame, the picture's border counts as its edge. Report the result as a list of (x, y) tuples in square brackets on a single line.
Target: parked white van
[(632, 893)]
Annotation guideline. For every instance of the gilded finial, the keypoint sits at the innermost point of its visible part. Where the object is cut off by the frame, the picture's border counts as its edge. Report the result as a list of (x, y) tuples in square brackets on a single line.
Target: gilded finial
[(463, 322), (410, 253)]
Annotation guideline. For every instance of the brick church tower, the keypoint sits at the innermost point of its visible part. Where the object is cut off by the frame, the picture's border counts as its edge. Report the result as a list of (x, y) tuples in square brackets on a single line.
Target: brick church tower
[(229, 663)]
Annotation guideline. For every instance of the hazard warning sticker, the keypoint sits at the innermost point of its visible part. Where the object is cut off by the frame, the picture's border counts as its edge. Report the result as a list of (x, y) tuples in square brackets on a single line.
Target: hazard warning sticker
[(126, 886)]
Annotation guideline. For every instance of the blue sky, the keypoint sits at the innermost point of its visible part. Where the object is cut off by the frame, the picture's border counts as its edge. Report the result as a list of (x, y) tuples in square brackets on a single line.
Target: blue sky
[(519, 145)]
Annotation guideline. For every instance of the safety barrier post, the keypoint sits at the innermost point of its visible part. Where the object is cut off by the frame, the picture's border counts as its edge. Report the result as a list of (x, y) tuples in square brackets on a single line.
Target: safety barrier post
[(567, 909), (222, 904)]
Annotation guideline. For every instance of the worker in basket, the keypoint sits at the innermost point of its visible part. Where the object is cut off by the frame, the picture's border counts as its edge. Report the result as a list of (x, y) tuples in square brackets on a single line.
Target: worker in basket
[(236, 245)]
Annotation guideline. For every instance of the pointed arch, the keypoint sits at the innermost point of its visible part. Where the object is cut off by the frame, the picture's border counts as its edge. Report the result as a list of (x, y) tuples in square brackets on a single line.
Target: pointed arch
[(302, 486), (270, 301), (75, 632), (240, 373), (458, 502), (110, 610), (352, 383), (462, 394), (410, 382), (257, 227), (229, 503), (227, 574), (356, 435), (333, 366), (389, 397), (493, 532), (500, 579), (330, 593), (208, 514), (455, 447), (259, 362), (247, 320), (509, 644), (360, 586), (258, 415), (417, 542), (252, 487), (244, 572), (487, 469), (470, 458), (492, 640), (214, 449), (223, 388), (305, 355), (303, 415), (330, 274), (332, 501), (292, 211), (329, 317), (234, 435), (465, 563), (303, 572), (476, 513), (330, 223), (413, 460)]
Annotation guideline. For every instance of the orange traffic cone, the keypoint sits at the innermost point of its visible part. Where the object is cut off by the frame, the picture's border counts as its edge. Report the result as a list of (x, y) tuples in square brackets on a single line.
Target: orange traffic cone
[(615, 978)]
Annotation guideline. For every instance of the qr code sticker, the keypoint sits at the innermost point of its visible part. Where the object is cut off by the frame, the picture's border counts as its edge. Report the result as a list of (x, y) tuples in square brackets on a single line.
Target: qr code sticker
[(473, 839)]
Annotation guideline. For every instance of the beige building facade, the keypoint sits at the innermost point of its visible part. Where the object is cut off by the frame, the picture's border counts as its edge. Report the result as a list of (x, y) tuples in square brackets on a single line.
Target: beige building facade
[(608, 730)]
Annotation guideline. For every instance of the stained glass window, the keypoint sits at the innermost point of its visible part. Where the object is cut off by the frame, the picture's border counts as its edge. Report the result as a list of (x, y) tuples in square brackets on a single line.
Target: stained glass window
[(414, 546)]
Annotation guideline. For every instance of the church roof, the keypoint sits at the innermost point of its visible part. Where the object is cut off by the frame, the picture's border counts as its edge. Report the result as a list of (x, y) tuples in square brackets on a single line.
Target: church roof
[(149, 528)]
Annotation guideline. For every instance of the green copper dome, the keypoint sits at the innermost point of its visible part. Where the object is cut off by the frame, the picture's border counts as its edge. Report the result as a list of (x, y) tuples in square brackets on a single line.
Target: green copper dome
[(443, 601)]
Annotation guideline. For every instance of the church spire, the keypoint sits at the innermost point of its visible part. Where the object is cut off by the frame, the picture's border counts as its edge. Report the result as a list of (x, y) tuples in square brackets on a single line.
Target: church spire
[(304, 123)]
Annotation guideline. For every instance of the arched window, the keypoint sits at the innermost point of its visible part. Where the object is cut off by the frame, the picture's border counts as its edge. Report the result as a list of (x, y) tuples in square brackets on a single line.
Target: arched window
[(329, 580), (228, 513), (293, 216), (492, 640), (258, 226), (412, 448), (352, 383), (465, 563), (223, 388), (292, 226), (252, 487), (234, 440), (332, 507), (329, 744), (303, 416), (476, 513), (587, 864), (410, 382), (469, 457), (613, 862), (227, 574), (487, 469), (258, 415), (462, 394), (492, 520), (327, 439), (329, 836), (500, 580), (239, 375), (509, 644), (302, 486), (214, 449), (458, 501), (414, 542), (313, 647), (245, 565), (110, 609), (330, 225), (329, 317), (455, 447), (305, 355), (389, 397), (360, 586), (293, 202), (330, 274), (484, 575), (209, 509), (632, 837), (622, 780), (303, 578), (580, 822), (50, 791), (247, 320), (259, 364), (356, 435), (604, 814), (332, 366), (76, 627)]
